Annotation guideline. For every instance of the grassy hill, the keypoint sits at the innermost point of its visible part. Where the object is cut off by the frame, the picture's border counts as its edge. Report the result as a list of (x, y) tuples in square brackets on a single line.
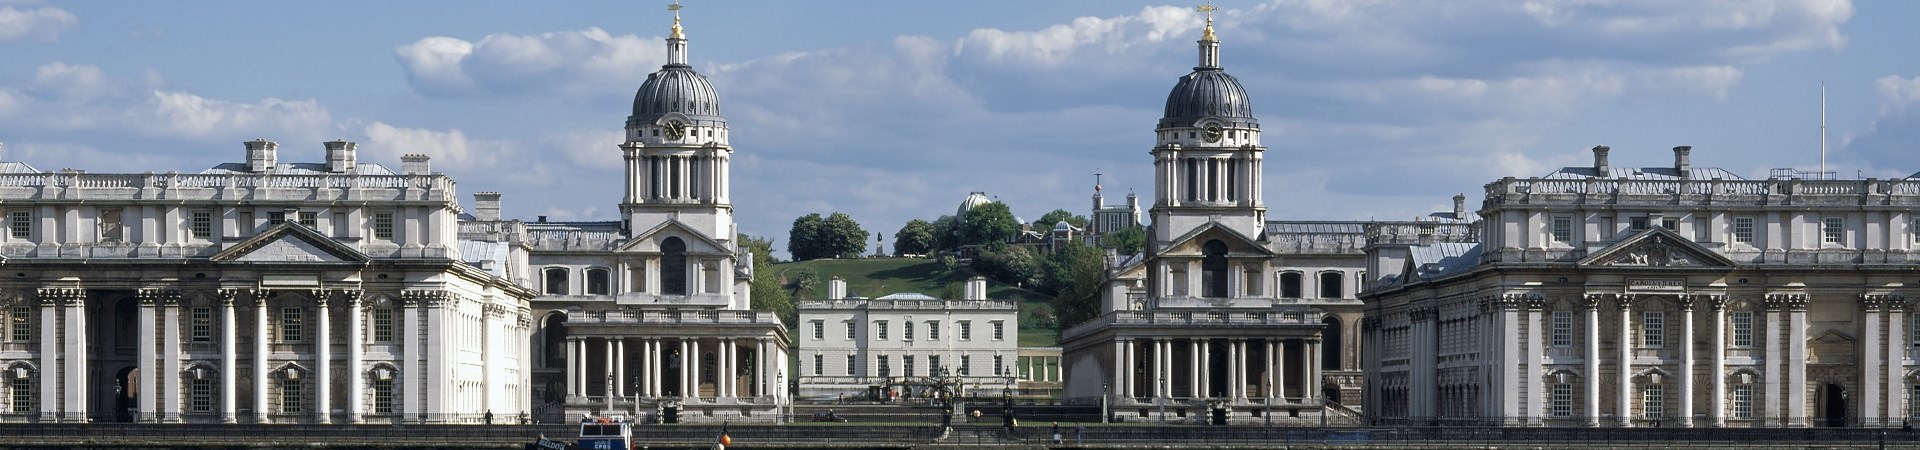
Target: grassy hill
[(881, 276)]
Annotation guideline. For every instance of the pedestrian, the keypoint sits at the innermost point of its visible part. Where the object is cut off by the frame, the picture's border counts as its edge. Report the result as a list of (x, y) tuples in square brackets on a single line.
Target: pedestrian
[(1079, 434), (489, 417), (1056, 433)]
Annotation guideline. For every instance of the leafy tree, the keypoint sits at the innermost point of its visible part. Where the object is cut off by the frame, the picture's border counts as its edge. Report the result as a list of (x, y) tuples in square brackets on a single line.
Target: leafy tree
[(946, 233), (842, 237), (987, 224), (1048, 220), (1078, 269), (803, 241), (803, 280), (767, 293), (1127, 241), (915, 238), (1011, 265)]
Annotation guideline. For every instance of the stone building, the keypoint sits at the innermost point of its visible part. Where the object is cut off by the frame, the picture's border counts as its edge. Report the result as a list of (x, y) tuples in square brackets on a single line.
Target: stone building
[(650, 314), (255, 292), (1675, 296), (894, 342)]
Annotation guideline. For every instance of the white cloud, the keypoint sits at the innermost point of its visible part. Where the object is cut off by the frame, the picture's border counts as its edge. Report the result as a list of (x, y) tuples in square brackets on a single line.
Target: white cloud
[(448, 149), (187, 114), (584, 62), (70, 81), (43, 23), (1896, 93)]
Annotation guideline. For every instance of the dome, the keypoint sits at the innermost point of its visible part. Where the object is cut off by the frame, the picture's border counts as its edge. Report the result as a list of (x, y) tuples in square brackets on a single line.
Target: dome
[(1062, 226), (676, 88), (1208, 92), (973, 200)]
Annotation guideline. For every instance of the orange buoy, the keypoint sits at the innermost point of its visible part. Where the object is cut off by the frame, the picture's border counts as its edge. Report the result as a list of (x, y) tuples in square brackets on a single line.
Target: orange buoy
[(726, 440)]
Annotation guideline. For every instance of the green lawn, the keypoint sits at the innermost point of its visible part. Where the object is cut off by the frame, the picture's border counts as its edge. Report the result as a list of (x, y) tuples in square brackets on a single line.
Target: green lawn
[(877, 277)]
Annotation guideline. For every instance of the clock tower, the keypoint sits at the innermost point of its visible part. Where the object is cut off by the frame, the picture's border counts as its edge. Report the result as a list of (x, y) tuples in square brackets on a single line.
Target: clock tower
[(677, 156), (1207, 157)]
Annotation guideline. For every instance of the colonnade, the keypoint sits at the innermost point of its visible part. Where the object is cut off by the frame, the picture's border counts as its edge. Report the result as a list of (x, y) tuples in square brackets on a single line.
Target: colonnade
[(653, 357), (1255, 368)]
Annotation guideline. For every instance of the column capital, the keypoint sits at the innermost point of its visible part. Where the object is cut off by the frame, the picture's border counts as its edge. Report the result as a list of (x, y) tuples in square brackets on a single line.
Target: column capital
[(1790, 302), (1874, 302), (1716, 301), (1592, 300), (62, 296)]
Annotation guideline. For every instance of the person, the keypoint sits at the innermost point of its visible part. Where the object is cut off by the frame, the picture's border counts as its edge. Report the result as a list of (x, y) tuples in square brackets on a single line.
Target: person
[(489, 417), (1056, 433), (1079, 434)]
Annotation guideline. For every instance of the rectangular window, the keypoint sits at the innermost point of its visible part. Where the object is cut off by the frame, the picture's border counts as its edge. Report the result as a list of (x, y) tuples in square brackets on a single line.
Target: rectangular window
[(383, 396), (885, 371), (1562, 401), (1742, 328), (819, 364), (933, 330), (1915, 229), (200, 395), (310, 220), (1637, 224), (276, 218), (998, 368), (999, 330), (202, 224), (1563, 229), (1653, 402), (20, 224), (383, 325), (819, 330), (966, 329), (111, 229), (1833, 230), (1743, 401), (22, 395), (290, 397), (1670, 223), (850, 365), (880, 330), (933, 364), (906, 332), (202, 324), (966, 365), (1653, 329), (383, 225), (850, 329), (907, 368), (290, 325), (1562, 328), (21, 319), (1743, 230), (1914, 408)]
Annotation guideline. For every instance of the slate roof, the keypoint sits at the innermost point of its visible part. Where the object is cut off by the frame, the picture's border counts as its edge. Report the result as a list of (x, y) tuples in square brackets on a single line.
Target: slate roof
[(1643, 173), (299, 169), (473, 252), (1311, 227), (1442, 259)]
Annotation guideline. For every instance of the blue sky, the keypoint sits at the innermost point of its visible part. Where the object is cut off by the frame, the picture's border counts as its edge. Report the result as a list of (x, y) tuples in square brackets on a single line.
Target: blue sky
[(891, 110)]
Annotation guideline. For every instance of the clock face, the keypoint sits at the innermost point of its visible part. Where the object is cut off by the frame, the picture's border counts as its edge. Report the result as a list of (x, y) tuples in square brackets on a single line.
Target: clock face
[(676, 130), (1212, 133)]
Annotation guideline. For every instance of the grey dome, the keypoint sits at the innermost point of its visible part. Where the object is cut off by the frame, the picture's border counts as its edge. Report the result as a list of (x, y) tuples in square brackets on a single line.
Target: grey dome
[(676, 88), (1208, 92)]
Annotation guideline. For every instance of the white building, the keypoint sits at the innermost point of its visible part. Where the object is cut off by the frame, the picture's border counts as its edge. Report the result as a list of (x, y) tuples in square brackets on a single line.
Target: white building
[(1659, 296), (650, 314), (256, 292), (848, 345)]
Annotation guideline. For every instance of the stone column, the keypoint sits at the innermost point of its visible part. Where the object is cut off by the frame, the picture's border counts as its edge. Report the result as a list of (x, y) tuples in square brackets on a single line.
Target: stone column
[(723, 368), (1206, 369), (1774, 358), (612, 361), (323, 362), (50, 355), (1313, 371), (619, 387), (573, 369), (356, 355), (1240, 369), (1534, 376), (1157, 377), (1686, 360), (1591, 379), (656, 350), (260, 355), (1719, 355), (229, 356), (412, 375), (1126, 369), (171, 357), (76, 361), (1797, 361), (1280, 370), (1623, 386), (1119, 366), (1870, 366), (149, 352), (1272, 370), (1193, 369), (1896, 354)]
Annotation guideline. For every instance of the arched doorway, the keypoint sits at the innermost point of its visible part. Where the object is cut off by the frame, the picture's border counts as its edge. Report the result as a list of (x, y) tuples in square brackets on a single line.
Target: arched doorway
[(1835, 405), (1213, 269), (1330, 344), (126, 393), (673, 266)]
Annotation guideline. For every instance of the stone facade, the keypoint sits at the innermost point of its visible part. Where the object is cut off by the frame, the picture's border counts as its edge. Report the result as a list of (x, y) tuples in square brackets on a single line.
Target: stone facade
[(895, 342)]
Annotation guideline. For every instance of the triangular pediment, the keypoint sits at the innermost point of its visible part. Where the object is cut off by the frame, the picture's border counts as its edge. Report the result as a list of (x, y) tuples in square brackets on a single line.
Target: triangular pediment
[(1832, 337), (290, 242), (1656, 247), (697, 243), (1238, 244)]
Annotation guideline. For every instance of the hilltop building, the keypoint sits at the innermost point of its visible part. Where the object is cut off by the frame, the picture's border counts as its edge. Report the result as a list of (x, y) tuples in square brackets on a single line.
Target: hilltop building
[(1675, 296), (902, 342)]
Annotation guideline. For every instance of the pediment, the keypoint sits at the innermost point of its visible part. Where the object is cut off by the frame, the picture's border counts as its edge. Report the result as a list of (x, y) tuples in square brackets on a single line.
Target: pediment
[(1238, 244), (290, 242), (1656, 247), (1832, 337), (649, 241)]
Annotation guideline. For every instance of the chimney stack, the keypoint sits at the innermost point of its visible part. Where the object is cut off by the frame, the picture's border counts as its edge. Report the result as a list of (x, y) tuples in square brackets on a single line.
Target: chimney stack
[(340, 155), (976, 288), (1600, 167), (1460, 206), (262, 155), (486, 206), (1683, 160), (414, 164), (836, 288)]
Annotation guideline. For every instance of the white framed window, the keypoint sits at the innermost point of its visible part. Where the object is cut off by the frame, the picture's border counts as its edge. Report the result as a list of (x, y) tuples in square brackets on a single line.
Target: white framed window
[(819, 365), (1562, 406), (383, 396), (200, 395), (20, 319), (1638, 224), (1743, 230), (851, 364), (1653, 329), (290, 400), (966, 365), (1742, 328), (202, 224), (906, 334), (1562, 228), (819, 330), (966, 329), (382, 325), (383, 225), (933, 330), (906, 366), (20, 224), (1670, 223), (276, 218), (290, 324), (201, 329), (999, 330), (1653, 402), (1562, 326), (1833, 230), (880, 330), (998, 367), (22, 389), (933, 364), (1743, 401), (850, 330), (885, 369), (310, 219)]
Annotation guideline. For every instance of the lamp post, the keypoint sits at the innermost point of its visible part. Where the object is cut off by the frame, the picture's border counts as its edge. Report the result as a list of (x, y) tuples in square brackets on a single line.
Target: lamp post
[(1105, 391), (780, 377), (610, 398), (1163, 400)]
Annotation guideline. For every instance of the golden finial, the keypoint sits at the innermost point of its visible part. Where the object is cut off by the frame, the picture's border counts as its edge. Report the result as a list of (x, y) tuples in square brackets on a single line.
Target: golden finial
[(1209, 9), (675, 7)]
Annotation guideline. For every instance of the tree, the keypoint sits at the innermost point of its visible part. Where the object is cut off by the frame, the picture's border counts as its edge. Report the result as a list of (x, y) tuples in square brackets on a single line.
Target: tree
[(1127, 241), (1048, 220), (1011, 265), (803, 241), (842, 237), (987, 224), (767, 293), (946, 233), (914, 238), (1079, 269), (803, 280)]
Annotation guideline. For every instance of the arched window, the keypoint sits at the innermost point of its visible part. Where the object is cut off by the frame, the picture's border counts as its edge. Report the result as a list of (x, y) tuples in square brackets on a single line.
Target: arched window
[(554, 335), (1331, 284), (1330, 344), (1213, 269), (1290, 285), (673, 266), (597, 282), (556, 281)]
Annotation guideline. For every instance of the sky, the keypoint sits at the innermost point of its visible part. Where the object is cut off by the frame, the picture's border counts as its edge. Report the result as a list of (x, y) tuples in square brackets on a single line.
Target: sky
[(895, 110)]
